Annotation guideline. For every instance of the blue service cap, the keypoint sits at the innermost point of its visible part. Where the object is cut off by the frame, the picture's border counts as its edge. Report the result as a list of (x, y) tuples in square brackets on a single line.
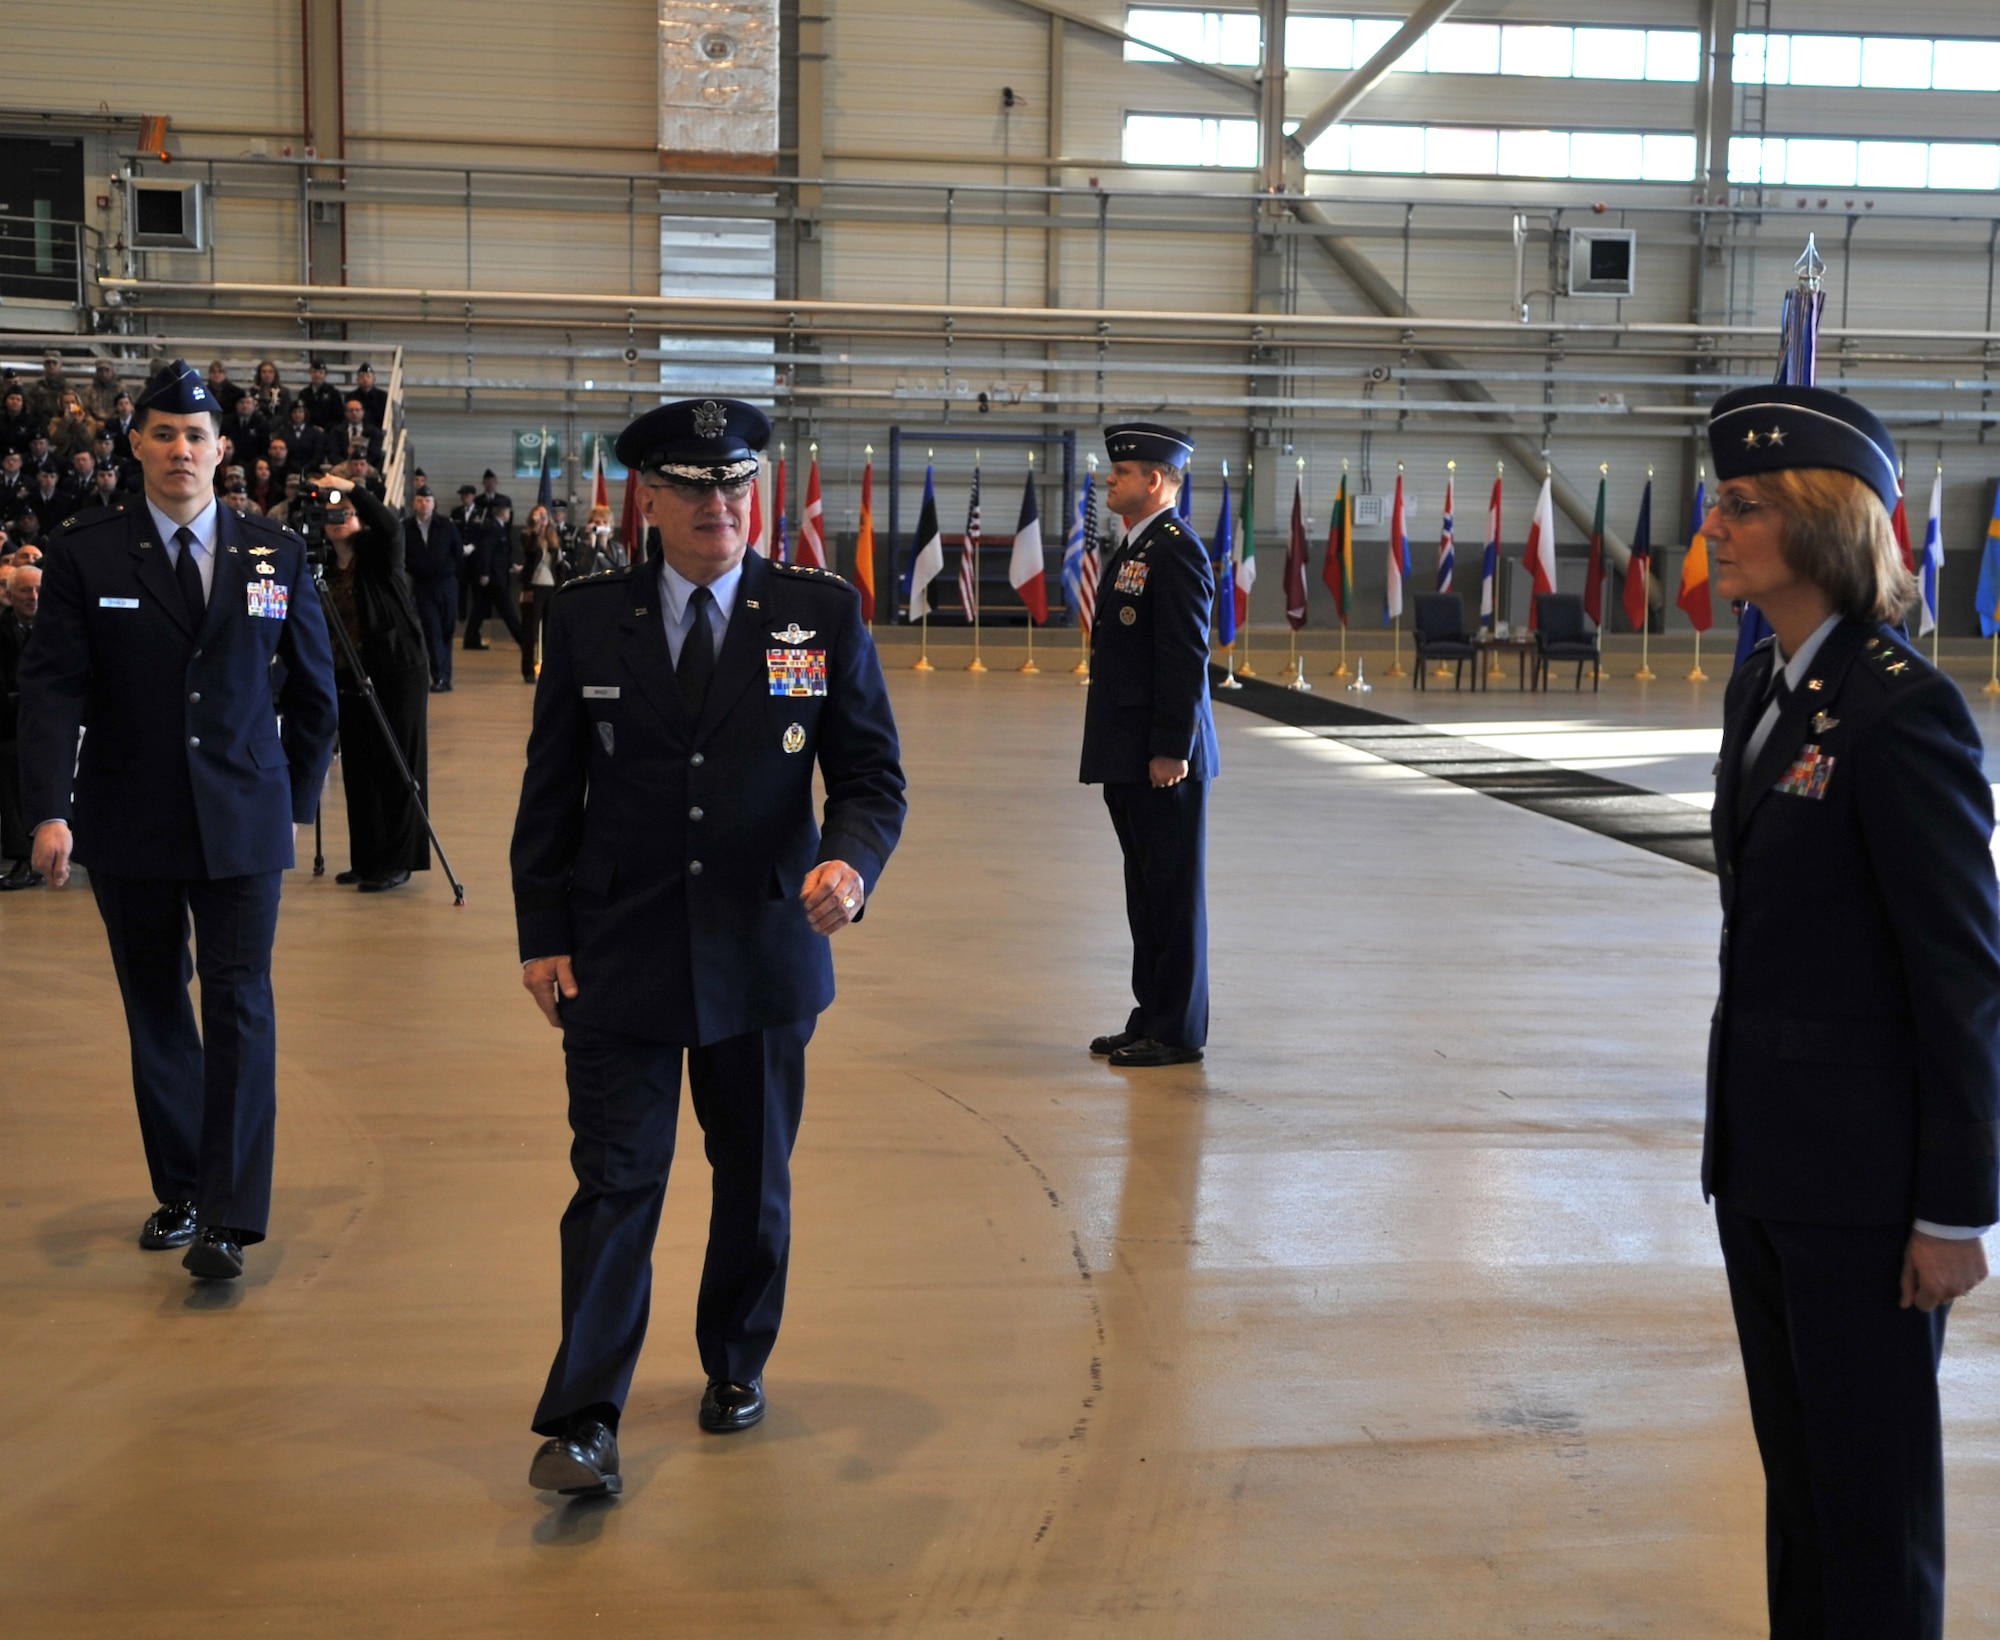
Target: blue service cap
[(698, 441), (1149, 441), (1775, 429), (177, 389)]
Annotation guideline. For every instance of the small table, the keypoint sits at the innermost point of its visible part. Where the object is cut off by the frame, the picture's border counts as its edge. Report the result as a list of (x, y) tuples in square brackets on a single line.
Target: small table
[(1522, 643)]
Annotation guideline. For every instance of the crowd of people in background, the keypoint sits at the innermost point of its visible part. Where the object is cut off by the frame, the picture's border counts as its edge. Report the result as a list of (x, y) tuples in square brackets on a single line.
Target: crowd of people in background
[(66, 449)]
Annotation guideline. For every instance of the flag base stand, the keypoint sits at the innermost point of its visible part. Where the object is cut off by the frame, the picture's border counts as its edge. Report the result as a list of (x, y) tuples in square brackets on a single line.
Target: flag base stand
[(1229, 679), (1029, 666), (1396, 656), (1442, 671), (924, 654), (1299, 678), (1991, 687), (1697, 676), (975, 665), (1645, 674), (1341, 671), (923, 664), (1360, 685)]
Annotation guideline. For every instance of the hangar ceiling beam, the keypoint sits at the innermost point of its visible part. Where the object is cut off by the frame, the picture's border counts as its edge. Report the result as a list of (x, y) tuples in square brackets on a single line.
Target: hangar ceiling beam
[(1371, 73), (1093, 25)]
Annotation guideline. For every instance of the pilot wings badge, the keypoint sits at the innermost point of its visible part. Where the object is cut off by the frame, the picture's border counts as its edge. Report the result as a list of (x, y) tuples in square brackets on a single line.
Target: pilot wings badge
[(792, 634)]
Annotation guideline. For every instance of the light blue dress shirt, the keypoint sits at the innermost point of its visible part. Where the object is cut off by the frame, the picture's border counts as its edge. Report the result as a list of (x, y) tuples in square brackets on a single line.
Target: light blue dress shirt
[(675, 591), (204, 541)]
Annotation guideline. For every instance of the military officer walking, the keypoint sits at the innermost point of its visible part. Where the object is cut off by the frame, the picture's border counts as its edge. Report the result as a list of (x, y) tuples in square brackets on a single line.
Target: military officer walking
[(674, 899), (157, 632), (1149, 739)]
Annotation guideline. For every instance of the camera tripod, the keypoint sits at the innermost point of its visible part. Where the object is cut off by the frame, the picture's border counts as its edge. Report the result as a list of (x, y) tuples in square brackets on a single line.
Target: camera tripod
[(367, 683)]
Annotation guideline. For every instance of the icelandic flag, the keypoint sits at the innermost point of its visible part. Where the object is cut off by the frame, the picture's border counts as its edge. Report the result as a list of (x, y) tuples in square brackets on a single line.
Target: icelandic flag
[(1989, 575), (1399, 559), (1079, 587), (1489, 563), (1447, 545), (1223, 545), (1245, 554), (812, 544), (1025, 571), (926, 554), (1933, 555)]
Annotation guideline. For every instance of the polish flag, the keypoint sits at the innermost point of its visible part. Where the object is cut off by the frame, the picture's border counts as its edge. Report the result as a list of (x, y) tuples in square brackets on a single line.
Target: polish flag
[(1539, 555)]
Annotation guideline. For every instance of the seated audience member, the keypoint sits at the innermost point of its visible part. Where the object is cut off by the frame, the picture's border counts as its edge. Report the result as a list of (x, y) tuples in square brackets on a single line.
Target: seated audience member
[(17, 427), (106, 492), (17, 621), (102, 392), (73, 429), (272, 399), (325, 404), (49, 503), (355, 440), (119, 426), (41, 454), (264, 486), (305, 444), (224, 391), (46, 395), (82, 477), (285, 508), (13, 483), (235, 492), (246, 429)]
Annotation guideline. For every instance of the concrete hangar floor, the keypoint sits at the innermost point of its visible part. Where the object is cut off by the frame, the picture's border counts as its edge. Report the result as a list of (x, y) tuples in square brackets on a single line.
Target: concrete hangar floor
[(1400, 1317)]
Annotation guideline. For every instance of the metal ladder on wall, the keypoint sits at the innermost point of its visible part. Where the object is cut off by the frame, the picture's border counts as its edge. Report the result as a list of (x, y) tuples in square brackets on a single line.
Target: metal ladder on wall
[(1752, 120)]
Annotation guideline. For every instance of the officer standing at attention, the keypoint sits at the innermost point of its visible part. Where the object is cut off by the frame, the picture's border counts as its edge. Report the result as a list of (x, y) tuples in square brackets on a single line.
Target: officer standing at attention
[(157, 630), (1854, 1058), (1149, 738), (674, 899)]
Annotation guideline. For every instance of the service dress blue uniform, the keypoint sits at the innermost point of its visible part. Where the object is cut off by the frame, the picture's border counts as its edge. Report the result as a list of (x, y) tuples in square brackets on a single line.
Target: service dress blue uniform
[(181, 804), (665, 854), (1853, 1073), (1149, 698)]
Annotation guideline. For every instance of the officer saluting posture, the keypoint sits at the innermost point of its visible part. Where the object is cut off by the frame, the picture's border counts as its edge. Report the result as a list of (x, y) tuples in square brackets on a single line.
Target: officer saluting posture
[(1149, 737), (674, 899), (1854, 1058), (157, 632)]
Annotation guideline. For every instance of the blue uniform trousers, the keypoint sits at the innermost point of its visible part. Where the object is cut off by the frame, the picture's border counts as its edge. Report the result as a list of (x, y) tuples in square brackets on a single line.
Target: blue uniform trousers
[(1163, 831), (1843, 1395), (624, 1102), (437, 608), (208, 1098)]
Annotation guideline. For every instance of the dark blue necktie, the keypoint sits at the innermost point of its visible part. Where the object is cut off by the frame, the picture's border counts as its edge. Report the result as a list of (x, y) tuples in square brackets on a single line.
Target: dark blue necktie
[(697, 663), (188, 573)]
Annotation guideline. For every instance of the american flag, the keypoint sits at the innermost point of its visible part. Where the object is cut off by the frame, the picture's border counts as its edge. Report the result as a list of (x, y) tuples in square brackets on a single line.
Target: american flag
[(1079, 569), (968, 562)]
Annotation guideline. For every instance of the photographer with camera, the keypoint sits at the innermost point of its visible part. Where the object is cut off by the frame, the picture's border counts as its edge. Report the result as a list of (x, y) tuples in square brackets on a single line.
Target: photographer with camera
[(368, 592)]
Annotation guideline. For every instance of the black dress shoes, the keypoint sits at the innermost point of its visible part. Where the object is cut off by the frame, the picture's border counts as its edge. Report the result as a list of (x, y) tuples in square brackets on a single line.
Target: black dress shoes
[(479, 646), (24, 875), (383, 883), (1102, 1045), (347, 879), (727, 1407), (172, 1225), (217, 1253), (580, 1464), (1143, 1052)]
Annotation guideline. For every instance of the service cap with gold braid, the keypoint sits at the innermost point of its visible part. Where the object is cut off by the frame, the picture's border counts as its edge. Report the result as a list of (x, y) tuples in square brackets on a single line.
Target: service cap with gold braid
[(1794, 423), (697, 441), (1149, 441)]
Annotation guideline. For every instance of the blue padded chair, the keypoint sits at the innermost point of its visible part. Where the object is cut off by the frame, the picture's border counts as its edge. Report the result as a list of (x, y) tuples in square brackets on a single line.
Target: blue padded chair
[(1441, 636), (1563, 634)]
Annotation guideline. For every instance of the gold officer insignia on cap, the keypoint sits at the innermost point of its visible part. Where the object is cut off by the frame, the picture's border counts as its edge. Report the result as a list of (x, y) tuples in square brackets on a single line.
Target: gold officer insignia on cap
[(795, 738), (1775, 436), (1750, 439), (709, 419)]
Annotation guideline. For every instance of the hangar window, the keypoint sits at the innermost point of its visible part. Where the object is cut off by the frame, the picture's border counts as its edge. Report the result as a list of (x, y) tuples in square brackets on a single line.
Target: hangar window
[(1875, 61), (1823, 162)]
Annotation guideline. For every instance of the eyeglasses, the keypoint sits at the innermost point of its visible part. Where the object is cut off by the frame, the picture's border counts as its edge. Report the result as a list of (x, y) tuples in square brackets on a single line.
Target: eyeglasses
[(1736, 508), (734, 490)]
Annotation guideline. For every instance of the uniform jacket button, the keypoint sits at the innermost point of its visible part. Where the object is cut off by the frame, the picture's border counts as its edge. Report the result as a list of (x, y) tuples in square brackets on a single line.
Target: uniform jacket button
[(694, 814), (696, 760), (194, 740), (694, 868), (195, 696)]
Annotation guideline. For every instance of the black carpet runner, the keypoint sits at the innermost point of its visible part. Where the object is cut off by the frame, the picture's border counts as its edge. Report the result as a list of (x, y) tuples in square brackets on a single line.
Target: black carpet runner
[(1660, 825)]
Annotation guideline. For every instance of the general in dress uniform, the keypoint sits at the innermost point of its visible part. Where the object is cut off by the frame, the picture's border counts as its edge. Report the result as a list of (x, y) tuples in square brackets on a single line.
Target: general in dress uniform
[(1149, 739), (158, 630), (674, 898), (1854, 1059)]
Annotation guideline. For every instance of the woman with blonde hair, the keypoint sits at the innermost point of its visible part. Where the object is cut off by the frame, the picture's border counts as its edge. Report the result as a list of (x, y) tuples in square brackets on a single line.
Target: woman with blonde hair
[(1854, 1054), (541, 570)]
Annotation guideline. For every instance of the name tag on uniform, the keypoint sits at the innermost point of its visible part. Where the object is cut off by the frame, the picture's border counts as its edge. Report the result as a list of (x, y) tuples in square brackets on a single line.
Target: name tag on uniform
[(797, 671), (600, 691), (1132, 577), (118, 603), (1808, 775), (268, 599)]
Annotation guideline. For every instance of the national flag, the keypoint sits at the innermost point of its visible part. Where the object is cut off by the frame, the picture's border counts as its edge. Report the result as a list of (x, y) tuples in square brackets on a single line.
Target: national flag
[(812, 541), (1399, 559), (1246, 546), (1184, 501), (1933, 555), (1079, 586), (545, 496), (1593, 577), (1026, 572), (600, 491), (781, 547), (1222, 544), (1489, 562), (1295, 558), (1338, 569), (864, 544), (1693, 595), (1447, 544), (1538, 556), (968, 558), (1638, 596), (632, 522), (926, 554), (1899, 526), (1988, 593), (757, 513)]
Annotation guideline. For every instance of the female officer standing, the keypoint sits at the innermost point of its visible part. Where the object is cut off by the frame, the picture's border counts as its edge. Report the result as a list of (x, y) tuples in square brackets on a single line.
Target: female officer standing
[(1854, 1058)]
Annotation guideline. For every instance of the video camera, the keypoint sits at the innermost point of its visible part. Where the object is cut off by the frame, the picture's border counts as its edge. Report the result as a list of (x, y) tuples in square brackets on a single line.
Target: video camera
[(323, 501)]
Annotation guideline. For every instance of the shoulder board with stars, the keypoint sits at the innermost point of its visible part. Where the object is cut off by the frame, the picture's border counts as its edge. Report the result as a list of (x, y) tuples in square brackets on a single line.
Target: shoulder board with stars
[(811, 572), (603, 577)]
